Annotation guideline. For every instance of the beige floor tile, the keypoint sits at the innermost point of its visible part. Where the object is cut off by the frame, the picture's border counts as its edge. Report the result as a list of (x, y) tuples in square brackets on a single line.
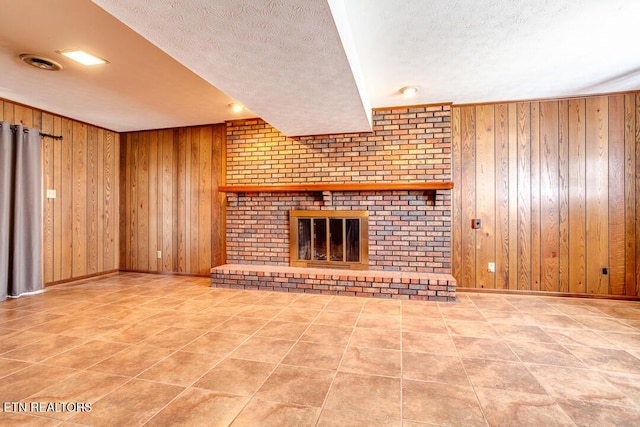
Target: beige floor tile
[(512, 408), (434, 368), (82, 387), (471, 329), (180, 368), (372, 361), (218, 343), (624, 341), (297, 385), (373, 306), (422, 309), (600, 323), (353, 305), (503, 375), (586, 337), (282, 330), (428, 343), (263, 349), (376, 338), (325, 334), (132, 334), (8, 366), (441, 404), (264, 413), (241, 325), (331, 418), (25, 382), (462, 313), (577, 384), (555, 321), (11, 419), (596, 414), (528, 333), (424, 325), (132, 404), (235, 376), (607, 359), (196, 407), (87, 354), (627, 384), (381, 321), (261, 312), (366, 394), (315, 355), (483, 348), (336, 318), (545, 354), (297, 315), (174, 338), (132, 360), (16, 339), (43, 349)]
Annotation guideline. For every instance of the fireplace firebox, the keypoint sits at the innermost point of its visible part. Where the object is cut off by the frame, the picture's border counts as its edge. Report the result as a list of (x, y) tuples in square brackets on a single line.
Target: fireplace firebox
[(329, 239)]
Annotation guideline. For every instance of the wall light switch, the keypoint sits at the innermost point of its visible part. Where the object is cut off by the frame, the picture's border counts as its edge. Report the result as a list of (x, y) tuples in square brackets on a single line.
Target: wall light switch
[(492, 267), (159, 254), (51, 194)]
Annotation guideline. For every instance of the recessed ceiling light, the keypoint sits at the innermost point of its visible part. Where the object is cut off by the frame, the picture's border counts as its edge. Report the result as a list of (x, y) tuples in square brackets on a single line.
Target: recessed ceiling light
[(40, 62), (409, 91), (235, 107), (85, 58)]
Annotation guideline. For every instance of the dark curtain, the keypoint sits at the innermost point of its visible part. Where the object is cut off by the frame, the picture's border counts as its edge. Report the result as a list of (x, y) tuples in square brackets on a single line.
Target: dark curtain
[(20, 211)]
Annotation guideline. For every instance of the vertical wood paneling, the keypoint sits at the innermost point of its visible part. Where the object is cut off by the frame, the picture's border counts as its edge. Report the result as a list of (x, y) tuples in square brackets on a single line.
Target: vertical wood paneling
[(100, 200), (536, 232), (631, 142), (65, 198), (502, 165), (616, 195), (563, 195), (219, 205), (565, 191), (549, 198), (524, 196), (485, 195), (456, 221), (577, 197), (154, 214), (169, 199), (48, 211), (79, 202), (71, 221), (57, 204), (468, 202), (204, 201), (513, 196), (92, 200), (597, 157)]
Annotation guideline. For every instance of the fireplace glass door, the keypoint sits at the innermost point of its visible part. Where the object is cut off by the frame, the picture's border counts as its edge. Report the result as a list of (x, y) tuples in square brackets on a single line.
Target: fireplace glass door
[(335, 239)]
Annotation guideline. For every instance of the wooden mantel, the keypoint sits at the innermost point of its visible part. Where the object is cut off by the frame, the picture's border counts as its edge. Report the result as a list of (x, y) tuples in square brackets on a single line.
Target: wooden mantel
[(350, 186)]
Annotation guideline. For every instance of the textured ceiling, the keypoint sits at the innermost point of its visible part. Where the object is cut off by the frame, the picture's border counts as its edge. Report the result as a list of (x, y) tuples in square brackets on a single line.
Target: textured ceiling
[(309, 66), (282, 59)]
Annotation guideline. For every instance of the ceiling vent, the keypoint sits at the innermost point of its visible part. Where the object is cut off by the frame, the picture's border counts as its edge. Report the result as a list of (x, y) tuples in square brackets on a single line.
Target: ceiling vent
[(40, 62)]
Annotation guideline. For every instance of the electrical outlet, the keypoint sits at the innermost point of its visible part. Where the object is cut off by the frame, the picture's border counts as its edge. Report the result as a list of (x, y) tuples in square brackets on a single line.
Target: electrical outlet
[(159, 254), (492, 267), (51, 194)]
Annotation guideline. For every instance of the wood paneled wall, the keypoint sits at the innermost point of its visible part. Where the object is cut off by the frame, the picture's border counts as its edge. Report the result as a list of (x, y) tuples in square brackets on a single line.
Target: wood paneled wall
[(169, 200), (80, 227), (557, 187)]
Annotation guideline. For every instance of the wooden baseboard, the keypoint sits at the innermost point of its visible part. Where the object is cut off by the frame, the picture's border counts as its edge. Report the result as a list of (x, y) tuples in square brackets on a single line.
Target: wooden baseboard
[(81, 278), (548, 294)]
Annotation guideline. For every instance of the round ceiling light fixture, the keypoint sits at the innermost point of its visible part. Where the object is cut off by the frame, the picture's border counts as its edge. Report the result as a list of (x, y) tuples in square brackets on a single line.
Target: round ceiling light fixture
[(235, 107), (409, 91), (40, 62)]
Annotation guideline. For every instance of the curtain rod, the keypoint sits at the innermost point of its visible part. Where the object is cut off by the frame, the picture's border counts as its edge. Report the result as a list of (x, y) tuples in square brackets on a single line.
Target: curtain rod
[(47, 135)]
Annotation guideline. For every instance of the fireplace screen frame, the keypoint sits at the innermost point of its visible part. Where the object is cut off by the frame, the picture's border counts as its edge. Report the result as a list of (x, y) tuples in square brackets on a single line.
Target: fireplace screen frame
[(363, 257)]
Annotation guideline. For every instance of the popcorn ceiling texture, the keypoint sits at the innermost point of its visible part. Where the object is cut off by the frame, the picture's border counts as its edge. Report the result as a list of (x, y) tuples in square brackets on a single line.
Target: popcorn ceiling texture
[(406, 231)]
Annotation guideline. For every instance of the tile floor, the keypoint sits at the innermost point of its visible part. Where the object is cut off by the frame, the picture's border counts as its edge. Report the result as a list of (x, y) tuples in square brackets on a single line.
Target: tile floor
[(159, 350)]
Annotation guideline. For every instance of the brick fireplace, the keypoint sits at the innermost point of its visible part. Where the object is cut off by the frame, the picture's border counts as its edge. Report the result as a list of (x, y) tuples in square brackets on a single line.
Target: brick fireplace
[(409, 231)]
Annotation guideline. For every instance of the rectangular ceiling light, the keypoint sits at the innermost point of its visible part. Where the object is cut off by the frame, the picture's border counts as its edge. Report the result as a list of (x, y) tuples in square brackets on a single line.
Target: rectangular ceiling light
[(83, 57)]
